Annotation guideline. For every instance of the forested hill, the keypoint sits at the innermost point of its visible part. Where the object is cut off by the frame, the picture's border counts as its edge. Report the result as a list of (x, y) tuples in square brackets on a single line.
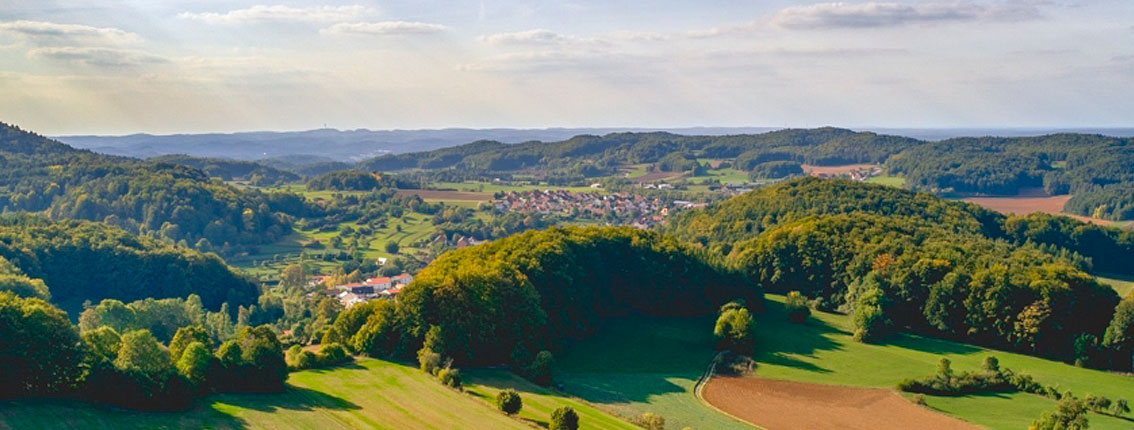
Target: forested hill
[(597, 155), (79, 261), (233, 170), (906, 261), (166, 200), (746, 216)]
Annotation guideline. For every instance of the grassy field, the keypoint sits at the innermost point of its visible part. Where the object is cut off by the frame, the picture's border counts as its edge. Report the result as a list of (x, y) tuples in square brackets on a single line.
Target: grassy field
[(370, 394), (1124, 285), (538, 401), (893, 181), (637, 365), (822, 351)]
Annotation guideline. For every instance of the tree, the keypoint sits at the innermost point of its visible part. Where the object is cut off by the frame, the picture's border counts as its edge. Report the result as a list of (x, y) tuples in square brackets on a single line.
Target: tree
[(40, 349), (102, 343), (564, 418), (1120, 407), (266, 369), (194, 364), (392, 246), (141, 352), (539, 371), (185, 336), (1119, 336), (870, 320), (432, 350), (735, 329), (796, 306), (509, 401), (1070, 414), (293, 276)]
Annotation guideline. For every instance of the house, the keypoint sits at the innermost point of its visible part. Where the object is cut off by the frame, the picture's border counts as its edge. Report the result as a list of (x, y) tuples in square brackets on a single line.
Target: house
[(349, 299), (362, 290), (403, 279), (317, 280), (382, 261), (379, 283)]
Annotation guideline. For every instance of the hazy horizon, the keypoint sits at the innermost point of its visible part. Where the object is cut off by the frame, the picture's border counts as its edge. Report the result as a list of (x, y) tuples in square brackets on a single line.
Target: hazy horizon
[(83, 67)]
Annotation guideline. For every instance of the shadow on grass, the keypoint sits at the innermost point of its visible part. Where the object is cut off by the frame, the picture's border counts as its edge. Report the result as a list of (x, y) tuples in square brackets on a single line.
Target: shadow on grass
[(70, 414), (294, 399), (779, 341), (930, 345)]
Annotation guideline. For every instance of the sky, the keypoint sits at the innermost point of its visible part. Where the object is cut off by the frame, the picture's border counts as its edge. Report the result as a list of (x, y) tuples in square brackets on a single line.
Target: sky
[(126, 66)]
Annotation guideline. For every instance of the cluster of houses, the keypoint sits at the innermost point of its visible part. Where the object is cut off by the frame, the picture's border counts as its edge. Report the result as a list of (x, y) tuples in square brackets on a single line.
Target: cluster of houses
[(457, 241), (565, 202), (370, 289)]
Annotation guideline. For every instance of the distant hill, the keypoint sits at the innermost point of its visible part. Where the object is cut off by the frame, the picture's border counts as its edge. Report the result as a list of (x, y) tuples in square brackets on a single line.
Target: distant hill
[(233, 170), (163, 200)]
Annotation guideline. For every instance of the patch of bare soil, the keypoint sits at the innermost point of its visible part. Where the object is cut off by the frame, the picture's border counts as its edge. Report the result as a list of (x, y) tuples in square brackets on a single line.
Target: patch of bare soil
[(1029, 202), (787, 405), (833, 170)]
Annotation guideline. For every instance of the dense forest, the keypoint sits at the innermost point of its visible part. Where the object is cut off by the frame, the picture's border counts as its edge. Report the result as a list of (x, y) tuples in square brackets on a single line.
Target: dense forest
[(80, 261), (164, 200), (233, 170), (355, 180), (902, 260)]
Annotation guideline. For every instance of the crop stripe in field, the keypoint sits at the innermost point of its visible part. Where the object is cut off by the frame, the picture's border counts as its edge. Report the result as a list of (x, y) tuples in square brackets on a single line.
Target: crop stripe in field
[(704, 379)]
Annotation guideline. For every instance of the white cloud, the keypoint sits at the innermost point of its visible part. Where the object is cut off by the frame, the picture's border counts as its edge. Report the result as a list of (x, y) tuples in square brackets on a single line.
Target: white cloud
[(537, 37), (281, 13), (886, 14), (96, 57), (385, 28), (50, 33)]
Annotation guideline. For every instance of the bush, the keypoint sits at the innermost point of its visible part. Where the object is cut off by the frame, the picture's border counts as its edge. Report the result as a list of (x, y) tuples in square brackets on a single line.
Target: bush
[(332, 354), (796, 306), (735, 329), (450, 377), (509, 401), (1069, 414), (650, 421), (430, 361), (564, 418), (539, 371)]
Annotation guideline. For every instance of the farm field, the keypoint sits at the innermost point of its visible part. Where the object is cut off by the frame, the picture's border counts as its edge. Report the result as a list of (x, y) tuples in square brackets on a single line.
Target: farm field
[(893, 181), (369, 394), (1124, 285), (834, 170), (636, 365), (538, 402), (823, 352), (1026, 204)]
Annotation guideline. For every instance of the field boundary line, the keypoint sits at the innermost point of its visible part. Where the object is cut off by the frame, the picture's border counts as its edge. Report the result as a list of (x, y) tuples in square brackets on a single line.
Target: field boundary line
[(704, 379)]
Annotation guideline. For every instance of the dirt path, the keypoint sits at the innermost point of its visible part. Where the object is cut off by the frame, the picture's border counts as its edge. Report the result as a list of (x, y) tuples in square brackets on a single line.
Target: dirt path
[(787, 405)]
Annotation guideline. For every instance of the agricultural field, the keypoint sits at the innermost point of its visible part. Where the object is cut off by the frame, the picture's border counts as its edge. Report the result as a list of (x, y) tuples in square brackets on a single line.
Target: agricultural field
[(368, 394), (893, 181), (538, 402), (1124, 285), (636, 365), (823, 352)]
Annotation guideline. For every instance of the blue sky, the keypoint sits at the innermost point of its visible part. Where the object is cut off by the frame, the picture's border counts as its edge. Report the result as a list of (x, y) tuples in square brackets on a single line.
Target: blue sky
[(110, 67)]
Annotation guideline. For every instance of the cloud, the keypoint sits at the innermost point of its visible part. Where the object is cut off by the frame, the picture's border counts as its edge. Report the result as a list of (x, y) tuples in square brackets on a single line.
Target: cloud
[(96, 57), (281, 13), (536, 37), (385, 28), (50, 33), (885, 14)]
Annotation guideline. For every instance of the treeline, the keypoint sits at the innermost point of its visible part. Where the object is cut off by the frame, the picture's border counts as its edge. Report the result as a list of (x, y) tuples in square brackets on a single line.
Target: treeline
[(164, 200), (505, 301), (233, 170), (591, 156), (355, 180), (1096, 169), (45, 357), (80, 261), (900, 260)]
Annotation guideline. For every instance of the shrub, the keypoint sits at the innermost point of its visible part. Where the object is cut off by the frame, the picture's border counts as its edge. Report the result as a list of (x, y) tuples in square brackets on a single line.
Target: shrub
[(430, 361), (509, 401), (564, 418), (332, 354), (450, 377), (539, 371), (650, 421), (1069, 414), (797, 308)]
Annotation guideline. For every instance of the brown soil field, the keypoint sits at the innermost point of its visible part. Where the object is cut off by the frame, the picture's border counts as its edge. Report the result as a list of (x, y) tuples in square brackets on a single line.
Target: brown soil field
[(786, 405), (655, 176), (1028, 203), (833, 170), (447, 195)]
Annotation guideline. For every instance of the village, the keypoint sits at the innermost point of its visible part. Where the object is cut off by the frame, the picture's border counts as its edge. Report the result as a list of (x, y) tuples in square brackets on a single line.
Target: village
[(635, 210)]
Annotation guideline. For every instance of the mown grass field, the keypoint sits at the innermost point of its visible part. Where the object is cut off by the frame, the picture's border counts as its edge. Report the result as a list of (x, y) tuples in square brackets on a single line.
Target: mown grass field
[(637, 365), (1124, 285), (822, 351), (370, 394), (893, 181), (539, 402)]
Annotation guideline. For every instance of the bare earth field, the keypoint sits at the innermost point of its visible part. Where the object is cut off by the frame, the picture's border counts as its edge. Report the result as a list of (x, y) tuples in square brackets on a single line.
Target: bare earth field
[(786, 405), (447, 195), (1026, 204), (833, 170)]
